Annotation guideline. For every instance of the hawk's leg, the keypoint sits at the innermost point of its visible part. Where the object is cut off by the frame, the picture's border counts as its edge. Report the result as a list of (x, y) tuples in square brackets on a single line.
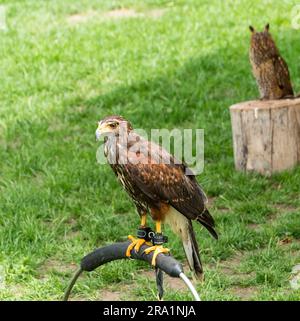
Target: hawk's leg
[(142, 237), (158, 240)]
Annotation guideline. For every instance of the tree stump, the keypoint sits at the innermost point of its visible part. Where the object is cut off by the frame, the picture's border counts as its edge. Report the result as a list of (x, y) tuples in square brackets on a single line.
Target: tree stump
[(266, 135)]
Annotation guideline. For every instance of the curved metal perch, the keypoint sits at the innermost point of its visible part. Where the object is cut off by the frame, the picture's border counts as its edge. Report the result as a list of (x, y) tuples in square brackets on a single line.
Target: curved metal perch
[(117, 251)]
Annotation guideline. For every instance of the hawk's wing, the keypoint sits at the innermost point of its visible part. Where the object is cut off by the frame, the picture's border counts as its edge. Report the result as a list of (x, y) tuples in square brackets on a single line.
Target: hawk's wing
[(168, 182)]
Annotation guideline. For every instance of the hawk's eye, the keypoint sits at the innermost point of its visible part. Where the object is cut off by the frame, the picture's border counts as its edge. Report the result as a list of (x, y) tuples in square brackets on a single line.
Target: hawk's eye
[(112, 125)]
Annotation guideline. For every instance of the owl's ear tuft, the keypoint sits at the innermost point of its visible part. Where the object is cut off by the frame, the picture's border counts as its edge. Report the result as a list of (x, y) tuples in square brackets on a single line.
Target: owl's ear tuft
[(267, 27), (251, 29)]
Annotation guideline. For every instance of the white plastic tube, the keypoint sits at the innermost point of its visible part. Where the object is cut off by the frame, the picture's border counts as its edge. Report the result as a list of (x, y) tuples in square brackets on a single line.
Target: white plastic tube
[(190, 286)]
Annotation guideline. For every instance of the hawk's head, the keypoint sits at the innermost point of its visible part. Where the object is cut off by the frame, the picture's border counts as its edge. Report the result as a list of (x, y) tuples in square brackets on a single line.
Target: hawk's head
[(112, 125)]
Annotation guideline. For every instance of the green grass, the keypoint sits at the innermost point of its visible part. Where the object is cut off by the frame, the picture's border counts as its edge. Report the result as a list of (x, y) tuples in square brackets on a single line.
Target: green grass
[(183, 69)]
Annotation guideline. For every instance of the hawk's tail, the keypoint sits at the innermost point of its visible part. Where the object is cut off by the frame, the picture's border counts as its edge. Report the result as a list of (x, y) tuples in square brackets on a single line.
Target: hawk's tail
[(183, 227), (191, 250)]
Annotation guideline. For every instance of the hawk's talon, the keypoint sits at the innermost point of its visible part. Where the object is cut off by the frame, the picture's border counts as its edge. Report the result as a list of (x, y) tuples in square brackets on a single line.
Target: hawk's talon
[(157, 250), (136, 244)]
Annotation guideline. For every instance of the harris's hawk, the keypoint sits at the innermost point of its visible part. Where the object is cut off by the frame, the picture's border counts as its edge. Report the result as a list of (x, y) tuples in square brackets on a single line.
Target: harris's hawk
[(158, 184)]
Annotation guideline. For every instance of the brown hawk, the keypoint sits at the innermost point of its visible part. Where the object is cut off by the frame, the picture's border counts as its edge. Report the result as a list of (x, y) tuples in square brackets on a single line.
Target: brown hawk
[(157, 183)]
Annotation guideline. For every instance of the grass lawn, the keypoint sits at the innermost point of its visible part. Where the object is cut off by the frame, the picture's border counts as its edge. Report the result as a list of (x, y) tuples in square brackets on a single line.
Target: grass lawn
[(162, 64)]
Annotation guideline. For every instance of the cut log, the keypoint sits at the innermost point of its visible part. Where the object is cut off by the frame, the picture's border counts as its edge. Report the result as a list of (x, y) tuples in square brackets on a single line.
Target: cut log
[(266, 135)]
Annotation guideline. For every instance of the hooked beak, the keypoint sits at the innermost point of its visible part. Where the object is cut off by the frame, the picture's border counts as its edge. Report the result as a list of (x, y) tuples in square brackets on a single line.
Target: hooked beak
[(98, 135), (98, 132), (101, 130)]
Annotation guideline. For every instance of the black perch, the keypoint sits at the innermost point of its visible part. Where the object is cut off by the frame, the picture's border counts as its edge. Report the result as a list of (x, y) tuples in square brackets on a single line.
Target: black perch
[(117, 251)]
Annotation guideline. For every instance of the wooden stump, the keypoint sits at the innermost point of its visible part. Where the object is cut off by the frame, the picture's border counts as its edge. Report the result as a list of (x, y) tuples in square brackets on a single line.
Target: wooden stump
[(266, 135)]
